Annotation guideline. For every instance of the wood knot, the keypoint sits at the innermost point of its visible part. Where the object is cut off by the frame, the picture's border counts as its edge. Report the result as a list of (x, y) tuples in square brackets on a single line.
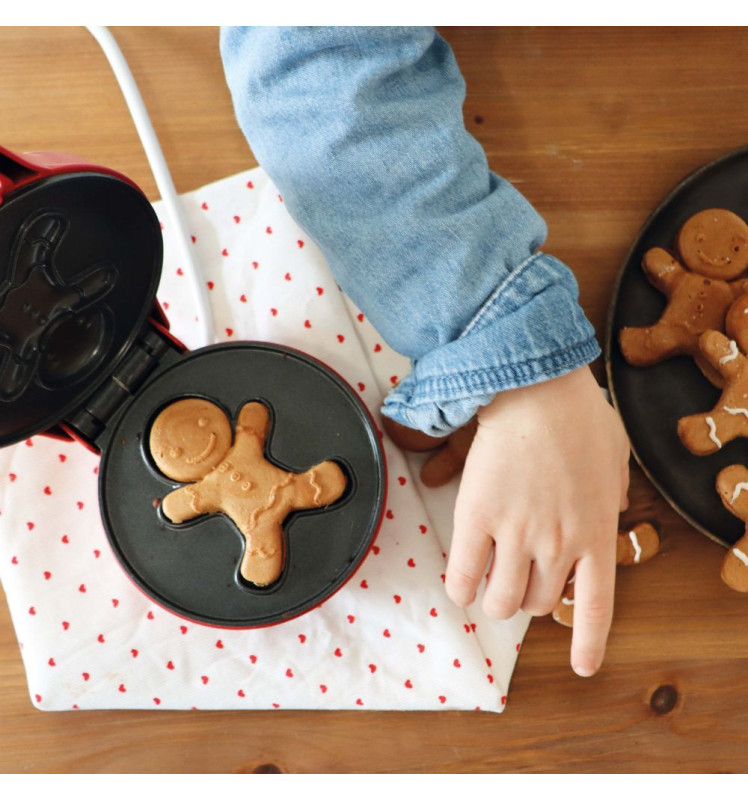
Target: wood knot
[(260, 769), (664, 699)]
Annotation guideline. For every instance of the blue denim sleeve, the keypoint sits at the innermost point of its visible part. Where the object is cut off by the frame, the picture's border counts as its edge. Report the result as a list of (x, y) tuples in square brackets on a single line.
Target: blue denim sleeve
[(361, 130)]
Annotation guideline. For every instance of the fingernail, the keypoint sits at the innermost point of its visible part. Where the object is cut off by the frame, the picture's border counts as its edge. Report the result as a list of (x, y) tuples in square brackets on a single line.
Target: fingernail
[(584, 671)]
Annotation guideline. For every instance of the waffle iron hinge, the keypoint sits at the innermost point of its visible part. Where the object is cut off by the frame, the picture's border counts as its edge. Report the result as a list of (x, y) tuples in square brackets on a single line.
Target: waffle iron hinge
[(143, 358)]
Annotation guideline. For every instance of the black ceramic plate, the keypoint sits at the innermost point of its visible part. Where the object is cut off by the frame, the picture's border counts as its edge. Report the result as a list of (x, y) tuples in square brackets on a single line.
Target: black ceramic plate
[(192, 568), (652, 399)]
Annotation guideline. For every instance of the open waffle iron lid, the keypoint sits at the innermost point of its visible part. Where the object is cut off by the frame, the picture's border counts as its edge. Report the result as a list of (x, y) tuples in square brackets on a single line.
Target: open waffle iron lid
[(80, 261)]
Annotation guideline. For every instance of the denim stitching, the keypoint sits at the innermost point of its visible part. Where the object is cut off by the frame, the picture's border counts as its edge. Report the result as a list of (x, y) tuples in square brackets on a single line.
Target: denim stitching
[(495, 296), (487, 380)]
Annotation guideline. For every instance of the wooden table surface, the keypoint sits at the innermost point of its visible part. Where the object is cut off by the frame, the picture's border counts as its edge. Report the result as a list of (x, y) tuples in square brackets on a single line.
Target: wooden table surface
[(595, 126)]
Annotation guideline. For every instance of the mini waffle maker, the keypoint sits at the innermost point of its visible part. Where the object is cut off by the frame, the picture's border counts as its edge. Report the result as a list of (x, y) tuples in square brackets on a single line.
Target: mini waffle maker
[(85, 354)]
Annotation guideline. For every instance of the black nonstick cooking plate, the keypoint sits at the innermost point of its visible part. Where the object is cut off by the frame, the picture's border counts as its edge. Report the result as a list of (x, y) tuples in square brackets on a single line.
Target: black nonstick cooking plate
[(651, 400), (192, 568)]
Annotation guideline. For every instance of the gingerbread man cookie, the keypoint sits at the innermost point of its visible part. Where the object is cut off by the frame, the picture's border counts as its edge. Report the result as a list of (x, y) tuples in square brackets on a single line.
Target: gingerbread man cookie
[(714, 243), (732, 486), (448, 460), (736, 322), (634, 546), (713, 250), (188, 442), (706, 433)]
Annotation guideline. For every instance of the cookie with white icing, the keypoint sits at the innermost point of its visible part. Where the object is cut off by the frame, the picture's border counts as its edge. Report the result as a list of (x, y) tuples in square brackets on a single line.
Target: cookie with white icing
[(634, 546), (700, 283), (736, 322), (563, 613), (706, 433), (637, 544), (241, 483), (732, 485)]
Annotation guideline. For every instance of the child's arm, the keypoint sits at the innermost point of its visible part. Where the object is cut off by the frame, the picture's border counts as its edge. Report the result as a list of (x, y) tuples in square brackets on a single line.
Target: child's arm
[(361, 129)]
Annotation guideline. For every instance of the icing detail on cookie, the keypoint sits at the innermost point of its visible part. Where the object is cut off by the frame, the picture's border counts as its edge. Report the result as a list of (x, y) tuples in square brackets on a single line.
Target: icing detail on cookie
[(208, 449), (740, 555), (738, 489), (713, 431), (735, 411), (732, 355), (637, 546)]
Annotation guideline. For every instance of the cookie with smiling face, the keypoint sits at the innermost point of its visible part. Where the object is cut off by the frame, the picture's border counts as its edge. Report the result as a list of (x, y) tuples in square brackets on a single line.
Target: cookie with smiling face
[(700, 284), (714, 243), (189, 438)]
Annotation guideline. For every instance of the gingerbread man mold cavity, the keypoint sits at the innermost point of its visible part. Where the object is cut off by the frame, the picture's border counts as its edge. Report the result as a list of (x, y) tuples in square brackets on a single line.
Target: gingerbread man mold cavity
[(191, 441), (47, 319)]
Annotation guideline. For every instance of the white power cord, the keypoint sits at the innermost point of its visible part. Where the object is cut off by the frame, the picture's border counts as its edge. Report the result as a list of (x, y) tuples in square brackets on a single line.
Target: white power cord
[(161, 173)]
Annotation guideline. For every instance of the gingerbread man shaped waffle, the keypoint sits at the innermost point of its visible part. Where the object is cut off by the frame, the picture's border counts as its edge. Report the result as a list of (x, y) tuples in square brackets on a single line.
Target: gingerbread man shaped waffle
[(706, 433), (713, 250), (190, 441), (732, 485)]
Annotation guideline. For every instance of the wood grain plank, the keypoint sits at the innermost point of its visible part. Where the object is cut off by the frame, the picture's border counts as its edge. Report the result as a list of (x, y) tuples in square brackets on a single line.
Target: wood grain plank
[(595, 126)]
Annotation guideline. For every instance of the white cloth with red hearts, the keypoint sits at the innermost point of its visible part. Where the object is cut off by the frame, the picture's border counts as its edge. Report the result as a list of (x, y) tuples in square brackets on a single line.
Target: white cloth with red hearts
[(389, 639)]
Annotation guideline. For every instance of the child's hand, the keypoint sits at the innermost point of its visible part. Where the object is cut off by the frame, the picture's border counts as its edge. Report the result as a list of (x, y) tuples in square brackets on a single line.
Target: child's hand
[(544, 482)]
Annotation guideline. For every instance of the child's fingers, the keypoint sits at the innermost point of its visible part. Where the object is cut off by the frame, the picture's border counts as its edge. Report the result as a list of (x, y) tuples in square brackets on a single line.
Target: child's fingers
[(468, 557), (507, 582), (593, 610), (625, 479), (545, 585)]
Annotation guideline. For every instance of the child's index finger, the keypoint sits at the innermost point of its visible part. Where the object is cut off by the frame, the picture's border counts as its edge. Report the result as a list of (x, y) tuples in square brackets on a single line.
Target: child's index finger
[(594, 586)]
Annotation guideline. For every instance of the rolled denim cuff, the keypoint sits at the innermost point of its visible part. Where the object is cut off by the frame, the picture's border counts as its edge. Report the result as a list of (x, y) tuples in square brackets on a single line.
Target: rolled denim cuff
[(531, 329)]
